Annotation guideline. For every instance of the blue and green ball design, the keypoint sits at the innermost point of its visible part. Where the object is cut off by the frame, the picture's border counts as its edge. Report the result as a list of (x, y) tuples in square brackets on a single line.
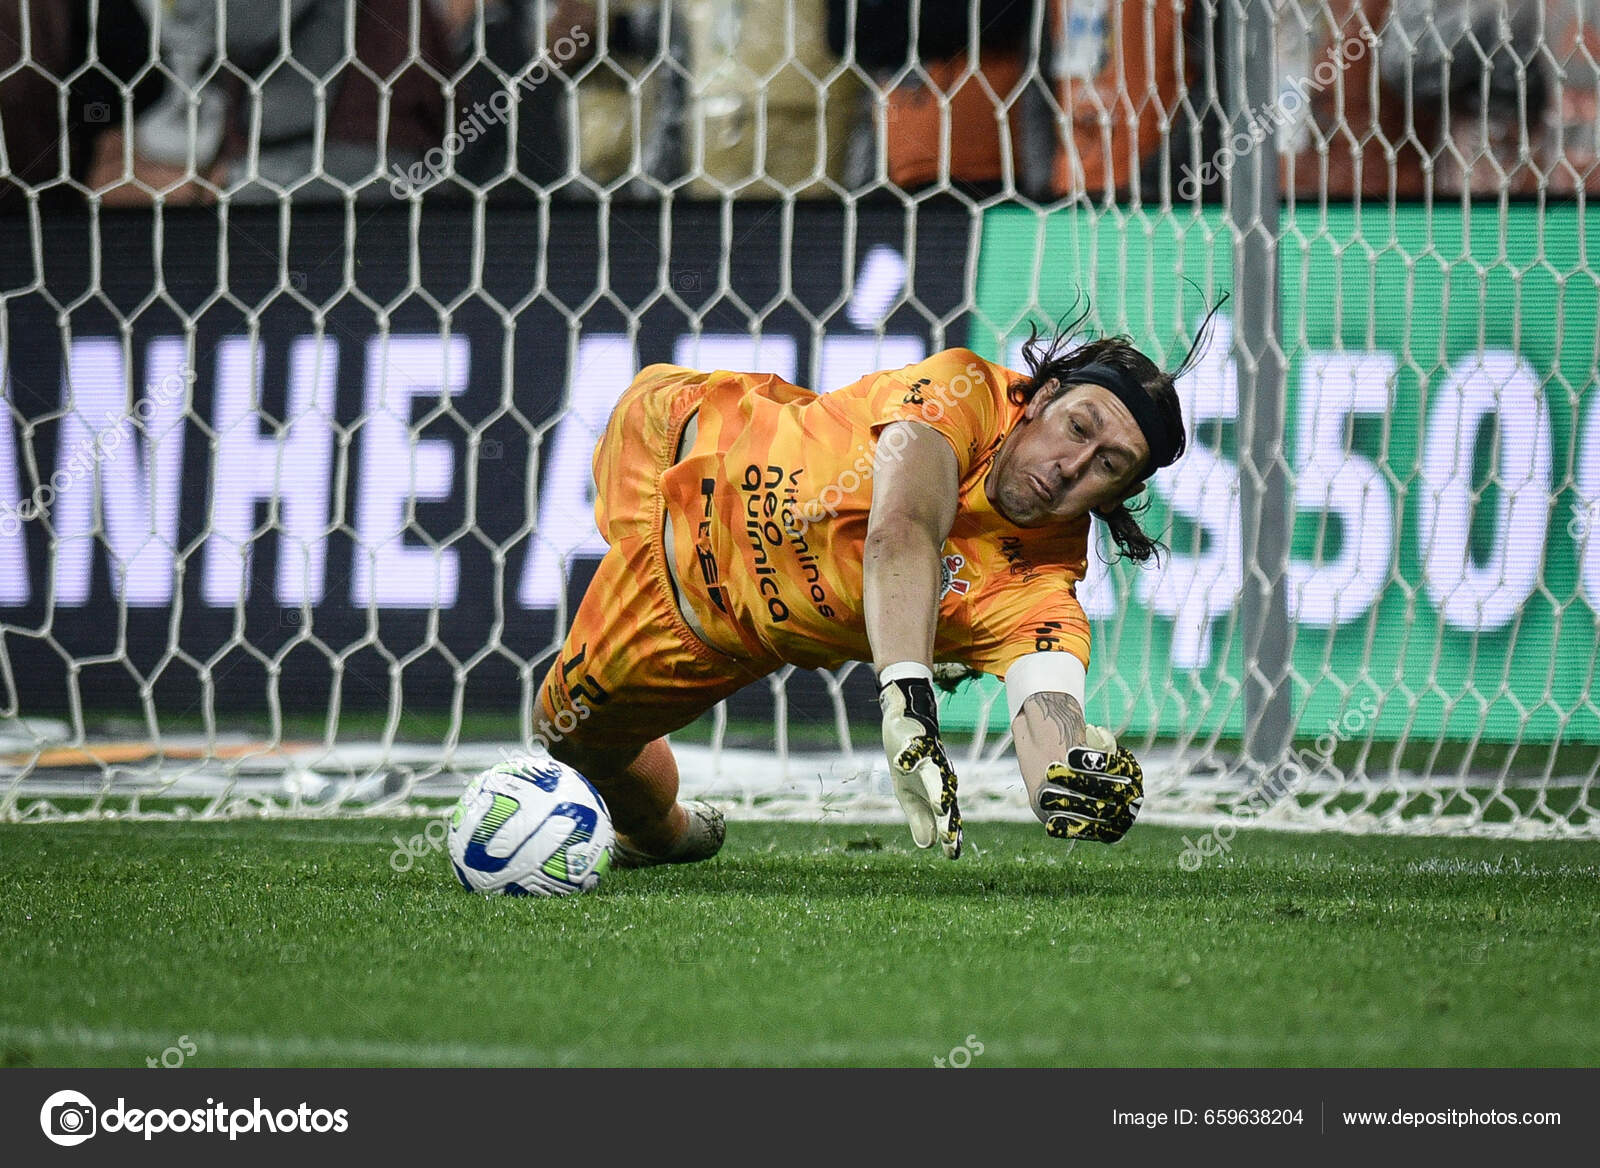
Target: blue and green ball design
[(524, 799)]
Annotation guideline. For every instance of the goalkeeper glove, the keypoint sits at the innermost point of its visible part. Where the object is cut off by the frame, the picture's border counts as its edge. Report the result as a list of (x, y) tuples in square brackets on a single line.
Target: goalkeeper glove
[(924, 780), (1095, 794)]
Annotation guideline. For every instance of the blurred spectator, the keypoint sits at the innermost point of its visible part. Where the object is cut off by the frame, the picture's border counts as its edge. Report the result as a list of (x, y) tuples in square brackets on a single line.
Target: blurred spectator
[(597, 88), (950, 117), (1479, 84), (1343, 127), (251, 126), (1115, 64), (167, 155), (725, 94), (509, 109), (761, 120), (637, 96), (1572, 39), (1338, 128), (29, 85), (1378, 98), (99, 57)]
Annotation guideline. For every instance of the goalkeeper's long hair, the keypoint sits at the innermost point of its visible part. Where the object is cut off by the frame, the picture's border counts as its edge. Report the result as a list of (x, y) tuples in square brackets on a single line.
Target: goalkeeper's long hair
[(1060, 355)]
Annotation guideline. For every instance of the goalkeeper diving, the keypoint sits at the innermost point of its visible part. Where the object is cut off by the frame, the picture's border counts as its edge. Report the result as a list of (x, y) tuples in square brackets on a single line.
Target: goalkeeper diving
[(935, 513)]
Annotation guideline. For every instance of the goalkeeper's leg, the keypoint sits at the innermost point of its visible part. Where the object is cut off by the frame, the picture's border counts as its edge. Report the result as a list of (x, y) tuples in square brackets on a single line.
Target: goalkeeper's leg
[(630, 672), (641, 792), (630, 669), (642, 795)]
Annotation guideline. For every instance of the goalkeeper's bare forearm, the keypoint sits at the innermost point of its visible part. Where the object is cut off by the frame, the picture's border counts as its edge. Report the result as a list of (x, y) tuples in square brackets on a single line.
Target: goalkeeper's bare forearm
[(914, 498), (1081, 784), (1047, 726)]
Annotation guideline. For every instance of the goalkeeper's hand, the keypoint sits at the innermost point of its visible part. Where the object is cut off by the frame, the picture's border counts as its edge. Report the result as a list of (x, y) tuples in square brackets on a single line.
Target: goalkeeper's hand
[(1094, 794), (924, 780)]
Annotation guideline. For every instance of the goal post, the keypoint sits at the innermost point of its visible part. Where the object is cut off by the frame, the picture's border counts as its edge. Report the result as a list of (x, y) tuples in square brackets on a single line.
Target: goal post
[(294, 476)]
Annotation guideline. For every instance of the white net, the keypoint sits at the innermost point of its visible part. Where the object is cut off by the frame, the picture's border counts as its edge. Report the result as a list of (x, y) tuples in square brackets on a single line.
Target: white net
[(310, 314)]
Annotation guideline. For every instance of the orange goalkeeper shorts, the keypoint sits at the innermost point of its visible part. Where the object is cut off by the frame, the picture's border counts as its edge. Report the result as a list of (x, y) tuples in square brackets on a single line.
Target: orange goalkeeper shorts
[(631, 669)]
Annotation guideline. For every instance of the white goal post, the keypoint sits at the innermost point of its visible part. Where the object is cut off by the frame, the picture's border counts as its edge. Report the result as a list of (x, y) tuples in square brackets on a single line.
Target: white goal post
[(308, 326)]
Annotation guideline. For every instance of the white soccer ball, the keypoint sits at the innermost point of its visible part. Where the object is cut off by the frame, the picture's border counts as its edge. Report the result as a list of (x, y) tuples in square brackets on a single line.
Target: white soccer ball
[(530, 828)]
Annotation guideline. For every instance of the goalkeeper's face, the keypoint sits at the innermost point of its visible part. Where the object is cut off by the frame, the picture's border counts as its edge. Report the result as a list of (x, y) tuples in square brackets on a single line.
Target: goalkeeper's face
[(1074, 451)]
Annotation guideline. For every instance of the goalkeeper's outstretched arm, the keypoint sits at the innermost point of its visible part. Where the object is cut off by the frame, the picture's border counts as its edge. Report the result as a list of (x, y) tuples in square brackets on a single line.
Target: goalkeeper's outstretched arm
[(915, 490)]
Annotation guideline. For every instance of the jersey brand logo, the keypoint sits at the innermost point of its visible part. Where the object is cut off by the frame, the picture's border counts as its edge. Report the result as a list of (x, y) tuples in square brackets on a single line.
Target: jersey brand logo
[(949, 582)]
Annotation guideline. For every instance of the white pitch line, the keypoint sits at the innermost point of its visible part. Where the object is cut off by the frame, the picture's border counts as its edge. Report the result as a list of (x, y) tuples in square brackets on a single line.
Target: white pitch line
[(294, 1046), (303, 1048)]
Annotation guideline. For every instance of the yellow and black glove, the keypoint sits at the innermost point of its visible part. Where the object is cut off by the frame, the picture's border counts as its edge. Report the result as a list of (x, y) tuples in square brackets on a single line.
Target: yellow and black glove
[(1095, 794)]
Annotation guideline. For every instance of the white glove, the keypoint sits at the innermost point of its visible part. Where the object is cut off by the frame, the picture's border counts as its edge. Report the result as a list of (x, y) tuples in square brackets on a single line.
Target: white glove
[(924, 780), (1099, 738)]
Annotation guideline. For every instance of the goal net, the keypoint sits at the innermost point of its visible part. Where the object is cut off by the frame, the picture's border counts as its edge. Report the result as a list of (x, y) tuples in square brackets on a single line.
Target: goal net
[(310, 318)]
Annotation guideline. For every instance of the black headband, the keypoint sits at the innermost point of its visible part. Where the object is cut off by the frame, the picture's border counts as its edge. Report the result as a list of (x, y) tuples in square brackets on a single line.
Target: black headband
[(1157, 432)]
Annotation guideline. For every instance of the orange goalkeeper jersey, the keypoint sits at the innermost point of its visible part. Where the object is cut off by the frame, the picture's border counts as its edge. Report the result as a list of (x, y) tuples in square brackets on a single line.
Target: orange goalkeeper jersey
[(769, 517)]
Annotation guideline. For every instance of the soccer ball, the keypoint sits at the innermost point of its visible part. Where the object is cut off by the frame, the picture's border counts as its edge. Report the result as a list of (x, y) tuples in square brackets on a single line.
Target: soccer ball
[(530, 828)]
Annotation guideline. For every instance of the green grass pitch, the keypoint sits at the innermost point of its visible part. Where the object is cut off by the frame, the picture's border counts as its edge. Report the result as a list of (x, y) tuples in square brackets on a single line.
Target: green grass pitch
[(297, 943)]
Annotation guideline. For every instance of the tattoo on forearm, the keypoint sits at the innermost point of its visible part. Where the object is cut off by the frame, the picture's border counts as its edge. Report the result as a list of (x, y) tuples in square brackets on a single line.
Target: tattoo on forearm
[(1064, 714)]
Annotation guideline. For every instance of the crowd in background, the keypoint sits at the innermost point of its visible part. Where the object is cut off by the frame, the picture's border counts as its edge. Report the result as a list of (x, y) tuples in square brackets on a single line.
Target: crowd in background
[(127, 101)]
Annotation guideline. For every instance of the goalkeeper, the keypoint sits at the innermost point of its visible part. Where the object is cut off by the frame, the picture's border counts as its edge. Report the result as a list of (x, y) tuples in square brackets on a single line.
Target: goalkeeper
[(935, 513)]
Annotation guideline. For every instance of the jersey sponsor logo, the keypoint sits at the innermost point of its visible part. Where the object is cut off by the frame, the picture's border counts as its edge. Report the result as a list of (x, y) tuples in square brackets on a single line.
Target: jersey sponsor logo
[(949, 581), (1047, 637), (772, 495), (1021, 566), (804, 557), (762, 530), (914, 395), (702, 548)]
